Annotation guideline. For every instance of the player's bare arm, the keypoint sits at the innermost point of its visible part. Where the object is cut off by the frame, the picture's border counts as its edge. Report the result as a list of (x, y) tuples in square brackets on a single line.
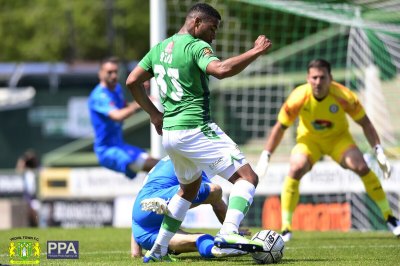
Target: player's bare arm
[(215, 199), (275, 137), (234, 65), (369, 131), (272, 142), (134, 83), (124, 113), (373, 139), (136, 250)]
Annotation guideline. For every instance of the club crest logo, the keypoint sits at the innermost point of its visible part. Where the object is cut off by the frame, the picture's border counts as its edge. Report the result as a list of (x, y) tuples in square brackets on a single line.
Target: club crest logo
[(207, 51), (333, 108), (24, 250), (168, 49)]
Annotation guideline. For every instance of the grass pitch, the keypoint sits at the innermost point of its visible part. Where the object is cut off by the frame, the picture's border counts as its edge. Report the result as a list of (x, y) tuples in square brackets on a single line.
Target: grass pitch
[(111, 246)]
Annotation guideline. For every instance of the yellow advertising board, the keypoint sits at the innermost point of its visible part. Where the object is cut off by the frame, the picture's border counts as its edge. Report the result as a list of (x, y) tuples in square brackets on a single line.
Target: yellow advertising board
[(55, 182)]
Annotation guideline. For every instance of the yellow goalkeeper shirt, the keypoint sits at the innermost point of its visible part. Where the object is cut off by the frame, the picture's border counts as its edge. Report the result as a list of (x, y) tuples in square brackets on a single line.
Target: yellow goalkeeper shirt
[(321, 119)]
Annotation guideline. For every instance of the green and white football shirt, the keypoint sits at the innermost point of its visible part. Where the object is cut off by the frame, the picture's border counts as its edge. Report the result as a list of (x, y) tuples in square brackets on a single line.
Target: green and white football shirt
[(179, 66)]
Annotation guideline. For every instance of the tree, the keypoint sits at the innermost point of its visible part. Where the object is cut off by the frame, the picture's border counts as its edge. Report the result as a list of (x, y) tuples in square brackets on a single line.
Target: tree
[(58, 30)]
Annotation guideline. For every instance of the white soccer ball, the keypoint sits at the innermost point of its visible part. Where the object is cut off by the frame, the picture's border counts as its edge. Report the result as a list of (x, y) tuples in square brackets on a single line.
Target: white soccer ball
[(274, 247)]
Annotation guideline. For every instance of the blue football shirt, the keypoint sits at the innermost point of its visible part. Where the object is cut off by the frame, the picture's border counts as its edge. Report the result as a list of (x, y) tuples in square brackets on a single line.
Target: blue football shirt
[(101, 102)]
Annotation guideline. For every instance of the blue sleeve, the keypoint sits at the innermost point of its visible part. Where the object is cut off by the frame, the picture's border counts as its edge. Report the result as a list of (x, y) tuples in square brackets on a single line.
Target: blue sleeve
[(102, 103)]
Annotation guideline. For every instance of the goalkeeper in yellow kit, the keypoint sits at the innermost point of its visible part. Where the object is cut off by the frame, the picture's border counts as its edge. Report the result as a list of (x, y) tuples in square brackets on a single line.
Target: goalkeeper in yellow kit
[(321, 105)]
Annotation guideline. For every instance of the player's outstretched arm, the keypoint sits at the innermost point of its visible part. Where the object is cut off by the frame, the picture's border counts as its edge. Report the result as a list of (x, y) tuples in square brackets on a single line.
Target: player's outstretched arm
[(373, 139), (383, 161), (272, 143), (262, 164), (124, 113), (236, 64), (136, 250)]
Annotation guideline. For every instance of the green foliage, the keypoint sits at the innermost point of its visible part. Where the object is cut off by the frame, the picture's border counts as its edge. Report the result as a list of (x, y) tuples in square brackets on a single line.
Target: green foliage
[(58, 30)]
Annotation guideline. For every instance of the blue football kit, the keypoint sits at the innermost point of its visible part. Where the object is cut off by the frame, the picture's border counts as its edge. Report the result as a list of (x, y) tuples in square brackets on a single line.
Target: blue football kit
[(109, 146), (162, 183)]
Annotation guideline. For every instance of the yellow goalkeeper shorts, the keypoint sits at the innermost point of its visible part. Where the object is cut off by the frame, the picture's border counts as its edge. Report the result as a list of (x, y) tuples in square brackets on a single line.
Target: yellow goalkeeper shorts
[(315, 148)]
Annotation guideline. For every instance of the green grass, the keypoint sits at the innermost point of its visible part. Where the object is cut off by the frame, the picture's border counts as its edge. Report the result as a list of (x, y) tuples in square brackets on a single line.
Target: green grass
[(111, 246)]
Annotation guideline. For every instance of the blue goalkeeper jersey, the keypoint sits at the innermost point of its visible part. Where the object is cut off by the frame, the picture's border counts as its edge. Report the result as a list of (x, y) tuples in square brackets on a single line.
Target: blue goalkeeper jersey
[(107, 131)]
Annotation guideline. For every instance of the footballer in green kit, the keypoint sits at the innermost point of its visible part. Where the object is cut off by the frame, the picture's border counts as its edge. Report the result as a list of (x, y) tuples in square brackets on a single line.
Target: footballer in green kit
[(181, 66)]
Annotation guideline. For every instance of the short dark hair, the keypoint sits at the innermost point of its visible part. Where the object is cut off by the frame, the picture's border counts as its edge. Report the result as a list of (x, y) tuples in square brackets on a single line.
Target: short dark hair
[(110, 59), (319, 63), (204, 9)]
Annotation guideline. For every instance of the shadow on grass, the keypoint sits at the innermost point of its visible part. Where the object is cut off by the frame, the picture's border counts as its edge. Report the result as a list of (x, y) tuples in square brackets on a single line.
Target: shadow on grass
[(240, 260)]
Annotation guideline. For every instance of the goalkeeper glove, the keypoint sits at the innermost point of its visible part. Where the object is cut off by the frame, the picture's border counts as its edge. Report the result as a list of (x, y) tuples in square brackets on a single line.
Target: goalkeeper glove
[(262, 164), (382, 161)]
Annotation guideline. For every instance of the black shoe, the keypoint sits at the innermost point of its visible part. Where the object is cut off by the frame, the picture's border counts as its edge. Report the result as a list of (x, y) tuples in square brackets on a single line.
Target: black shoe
[(394, 225), (286, 235)]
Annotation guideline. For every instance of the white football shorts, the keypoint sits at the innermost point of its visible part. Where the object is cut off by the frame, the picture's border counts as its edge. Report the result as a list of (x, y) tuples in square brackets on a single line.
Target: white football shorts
[(206, 149)]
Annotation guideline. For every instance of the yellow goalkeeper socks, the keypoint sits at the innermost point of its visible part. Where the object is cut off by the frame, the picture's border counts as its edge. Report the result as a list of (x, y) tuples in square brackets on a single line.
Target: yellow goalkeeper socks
[(376, 193), (290, 197)]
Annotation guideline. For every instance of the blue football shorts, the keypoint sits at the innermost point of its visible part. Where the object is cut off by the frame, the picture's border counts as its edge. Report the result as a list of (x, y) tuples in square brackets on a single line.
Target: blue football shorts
[(118, 158)]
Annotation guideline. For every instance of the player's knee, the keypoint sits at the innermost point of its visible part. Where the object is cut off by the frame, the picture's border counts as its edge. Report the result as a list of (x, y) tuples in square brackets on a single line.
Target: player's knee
[(298, 170), (363, 170), (248, 174), (360, 168), (296, 173), (254, 179)]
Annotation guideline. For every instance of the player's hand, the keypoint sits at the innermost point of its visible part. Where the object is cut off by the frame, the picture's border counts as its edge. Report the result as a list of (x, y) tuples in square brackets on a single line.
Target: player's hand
[(262, 164), (383, 161), (157, 120), (262, 44)]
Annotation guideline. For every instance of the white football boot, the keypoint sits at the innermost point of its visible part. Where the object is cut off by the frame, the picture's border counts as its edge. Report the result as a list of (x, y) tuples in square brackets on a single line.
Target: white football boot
[(226, 252), (157, 205)]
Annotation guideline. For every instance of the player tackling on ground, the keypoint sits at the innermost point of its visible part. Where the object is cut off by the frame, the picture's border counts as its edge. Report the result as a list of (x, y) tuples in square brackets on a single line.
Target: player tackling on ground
[(152, 203), (181, 66), (322, 105)]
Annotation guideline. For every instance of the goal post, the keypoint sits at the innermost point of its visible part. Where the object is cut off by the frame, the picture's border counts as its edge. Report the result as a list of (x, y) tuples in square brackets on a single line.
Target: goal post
[(158, 32)]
